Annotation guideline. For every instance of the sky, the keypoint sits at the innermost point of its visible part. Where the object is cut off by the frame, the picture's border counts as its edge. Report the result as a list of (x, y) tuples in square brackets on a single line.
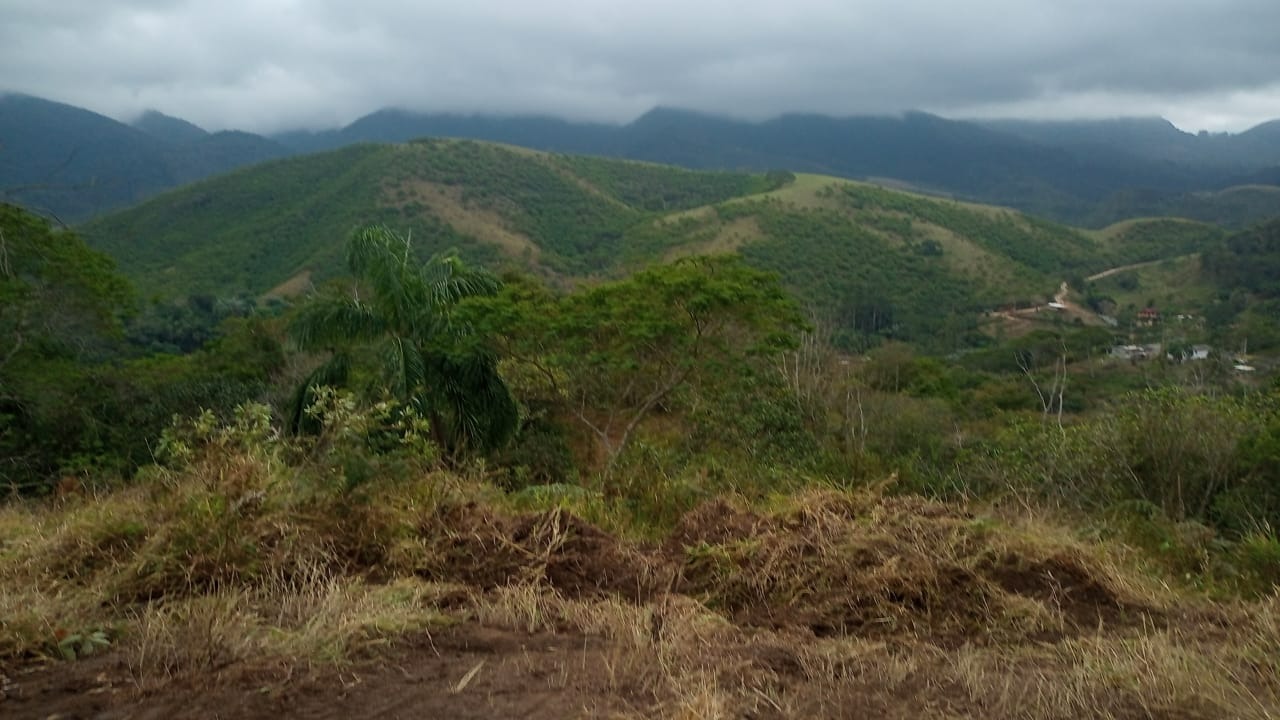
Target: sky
[(270, 65)]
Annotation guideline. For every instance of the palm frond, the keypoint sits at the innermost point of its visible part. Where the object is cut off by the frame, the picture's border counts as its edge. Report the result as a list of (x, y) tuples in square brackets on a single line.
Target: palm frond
[(335, 321), (404, 323), (404, 369), (480, 404), (449, 281), (333, 373), (379, 258)]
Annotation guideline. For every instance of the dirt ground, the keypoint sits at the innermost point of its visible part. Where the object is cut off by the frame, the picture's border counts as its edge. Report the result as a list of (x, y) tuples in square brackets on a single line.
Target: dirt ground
[(515, 675), (836, 606), (471, 671)]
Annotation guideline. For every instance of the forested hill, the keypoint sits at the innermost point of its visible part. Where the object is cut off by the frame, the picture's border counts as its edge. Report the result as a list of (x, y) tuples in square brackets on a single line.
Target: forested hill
[(73, 164), (931, 153), (878, 262), (247, 231), (1154, 139), (64, 161), (1081, 172)]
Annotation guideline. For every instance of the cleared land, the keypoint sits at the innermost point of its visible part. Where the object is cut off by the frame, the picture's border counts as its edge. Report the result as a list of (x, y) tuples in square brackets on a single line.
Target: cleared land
[(216, 594)]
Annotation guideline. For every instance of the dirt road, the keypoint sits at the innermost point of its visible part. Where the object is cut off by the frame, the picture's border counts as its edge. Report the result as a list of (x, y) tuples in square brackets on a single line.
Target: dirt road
[(1133, 266)]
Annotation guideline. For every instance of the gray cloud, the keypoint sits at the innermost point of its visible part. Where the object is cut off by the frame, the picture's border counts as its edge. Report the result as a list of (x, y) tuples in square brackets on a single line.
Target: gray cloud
[(272, 64)]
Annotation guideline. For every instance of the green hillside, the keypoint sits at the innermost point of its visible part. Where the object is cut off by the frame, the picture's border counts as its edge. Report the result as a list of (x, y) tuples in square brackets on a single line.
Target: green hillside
[(1147, 239), (72, 164), (871, 262), (1235, 207), (250, 230), (1221, 290)]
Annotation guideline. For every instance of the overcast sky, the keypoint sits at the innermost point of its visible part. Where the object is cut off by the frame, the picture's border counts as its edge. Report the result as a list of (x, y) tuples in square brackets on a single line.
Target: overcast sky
[(266, 65)]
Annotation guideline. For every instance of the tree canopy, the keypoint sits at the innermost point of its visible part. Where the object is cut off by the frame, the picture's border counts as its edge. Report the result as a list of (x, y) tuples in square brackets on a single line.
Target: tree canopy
[(395, 327), (616, 351)]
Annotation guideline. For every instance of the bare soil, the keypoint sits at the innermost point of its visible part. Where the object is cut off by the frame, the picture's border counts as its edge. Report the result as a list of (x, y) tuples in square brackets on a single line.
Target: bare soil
[(838, 606), (519, 675)]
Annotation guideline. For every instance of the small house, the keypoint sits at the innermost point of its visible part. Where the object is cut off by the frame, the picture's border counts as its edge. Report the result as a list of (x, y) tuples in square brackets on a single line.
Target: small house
[(1148, 316)]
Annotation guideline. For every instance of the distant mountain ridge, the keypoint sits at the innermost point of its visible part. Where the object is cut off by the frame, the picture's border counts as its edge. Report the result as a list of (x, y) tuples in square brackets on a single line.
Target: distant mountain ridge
[(1156, 139), (170, 129), (76, 164), (1082, 172)]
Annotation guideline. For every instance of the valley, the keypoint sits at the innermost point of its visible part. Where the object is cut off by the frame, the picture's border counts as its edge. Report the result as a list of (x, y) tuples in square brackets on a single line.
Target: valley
[(869, 260), (468, 428)]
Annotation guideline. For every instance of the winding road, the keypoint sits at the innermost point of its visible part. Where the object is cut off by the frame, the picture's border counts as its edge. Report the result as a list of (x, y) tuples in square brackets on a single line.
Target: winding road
[(1063, 304), (1133, 266)]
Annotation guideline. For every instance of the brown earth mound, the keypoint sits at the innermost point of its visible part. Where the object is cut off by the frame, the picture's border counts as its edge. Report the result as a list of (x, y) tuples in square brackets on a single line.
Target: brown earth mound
[(837, 604), (831, 564), (484, 550), (838, 564)]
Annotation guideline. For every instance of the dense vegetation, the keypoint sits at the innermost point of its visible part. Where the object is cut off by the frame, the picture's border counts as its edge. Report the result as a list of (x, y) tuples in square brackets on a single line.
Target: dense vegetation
[(873, 262), (74, 164), (400, 316), (1246, 266), (671, 459), (695, 345), (79, 391), (1249, 260), (745, 444), (248, 231), (1139, 241), (1235, 207), (662, 188), (1089, 173)]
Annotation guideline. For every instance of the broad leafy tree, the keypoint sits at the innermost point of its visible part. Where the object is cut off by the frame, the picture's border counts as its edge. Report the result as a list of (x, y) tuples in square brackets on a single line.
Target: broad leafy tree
[(617, 351), (60, 308)]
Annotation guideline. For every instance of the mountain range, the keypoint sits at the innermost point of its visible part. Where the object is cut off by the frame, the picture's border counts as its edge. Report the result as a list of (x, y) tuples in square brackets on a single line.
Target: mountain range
[(1089, 172), (874, 262), (75, 164)]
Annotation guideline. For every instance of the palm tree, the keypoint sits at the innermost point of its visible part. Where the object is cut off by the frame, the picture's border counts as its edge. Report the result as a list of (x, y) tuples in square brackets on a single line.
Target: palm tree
[(398, 318)]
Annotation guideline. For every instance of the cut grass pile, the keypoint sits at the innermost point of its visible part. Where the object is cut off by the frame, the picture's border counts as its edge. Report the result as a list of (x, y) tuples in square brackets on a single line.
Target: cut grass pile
[(818, 602)]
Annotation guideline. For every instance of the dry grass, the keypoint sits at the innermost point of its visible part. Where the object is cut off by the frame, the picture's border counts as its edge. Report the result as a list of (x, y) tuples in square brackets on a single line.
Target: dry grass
[(49, 561), (321, 622), (483, 224), (1030, 650), (729, 237), (222, 546), (860, 564), (1160, 673), (296, 285), (822, 603)]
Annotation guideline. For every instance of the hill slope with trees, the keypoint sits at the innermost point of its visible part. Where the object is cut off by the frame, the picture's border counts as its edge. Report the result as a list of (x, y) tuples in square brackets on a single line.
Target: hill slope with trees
[(666, 489), (68, 162), (874, 262), (73, 164), (1060, 170)]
